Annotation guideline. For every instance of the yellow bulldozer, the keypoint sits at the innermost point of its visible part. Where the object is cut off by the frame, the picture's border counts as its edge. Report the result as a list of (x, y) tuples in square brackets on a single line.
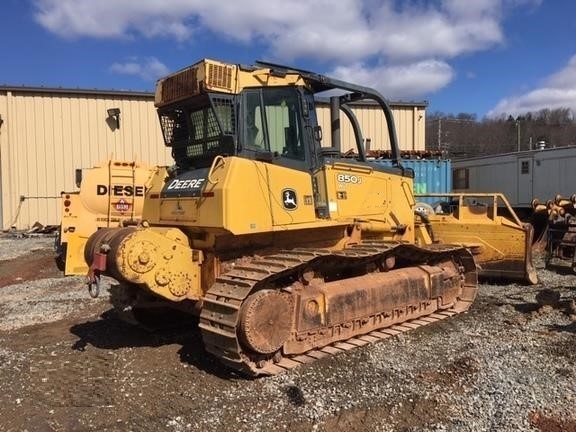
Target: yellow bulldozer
[(286, 251)]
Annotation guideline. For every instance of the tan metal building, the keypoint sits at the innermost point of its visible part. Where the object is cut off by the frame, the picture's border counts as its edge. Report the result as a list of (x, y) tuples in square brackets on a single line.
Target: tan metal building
[(47, 133), (409, 118)]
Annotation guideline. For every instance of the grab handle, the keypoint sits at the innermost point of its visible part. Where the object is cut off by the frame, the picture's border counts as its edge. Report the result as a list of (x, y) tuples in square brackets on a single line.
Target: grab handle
[(218, 161)]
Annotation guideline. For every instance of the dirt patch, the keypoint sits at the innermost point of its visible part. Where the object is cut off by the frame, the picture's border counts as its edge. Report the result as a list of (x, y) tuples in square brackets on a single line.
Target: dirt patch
[(549, 424), (34, 265)]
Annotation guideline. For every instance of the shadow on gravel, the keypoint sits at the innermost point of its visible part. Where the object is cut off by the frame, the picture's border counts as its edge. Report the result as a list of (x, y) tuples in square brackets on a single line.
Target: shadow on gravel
[(561, 270), (112, 333), (546, 299), (571, 328), (526, 308), (193, 353)]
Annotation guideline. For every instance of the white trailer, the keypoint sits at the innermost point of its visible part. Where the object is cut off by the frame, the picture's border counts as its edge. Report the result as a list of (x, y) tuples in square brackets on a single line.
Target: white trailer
[(522, 176)]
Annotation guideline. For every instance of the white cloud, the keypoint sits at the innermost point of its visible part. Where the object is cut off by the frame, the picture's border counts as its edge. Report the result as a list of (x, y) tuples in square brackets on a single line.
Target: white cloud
[(325, 29), (448, 30), (413, 39), (114, 19), (149, 68), (557, 91), (400, 81)]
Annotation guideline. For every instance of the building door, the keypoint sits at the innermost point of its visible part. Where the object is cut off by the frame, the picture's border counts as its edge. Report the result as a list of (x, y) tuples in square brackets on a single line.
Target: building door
[(525, 181)]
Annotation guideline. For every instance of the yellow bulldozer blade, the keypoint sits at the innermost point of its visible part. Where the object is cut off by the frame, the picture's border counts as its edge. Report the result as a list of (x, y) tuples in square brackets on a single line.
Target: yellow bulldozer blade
[(486, 224)]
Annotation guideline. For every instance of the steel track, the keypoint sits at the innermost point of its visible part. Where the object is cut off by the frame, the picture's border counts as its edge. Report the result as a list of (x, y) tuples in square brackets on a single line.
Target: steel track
[(220, 316)]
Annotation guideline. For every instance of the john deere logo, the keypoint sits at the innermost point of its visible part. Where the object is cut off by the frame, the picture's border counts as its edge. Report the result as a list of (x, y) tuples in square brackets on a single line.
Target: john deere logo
[(289, 199)]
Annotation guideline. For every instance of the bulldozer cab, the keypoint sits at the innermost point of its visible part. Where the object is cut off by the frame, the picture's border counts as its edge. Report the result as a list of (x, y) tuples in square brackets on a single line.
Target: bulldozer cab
[(262, 112), (275, 125)]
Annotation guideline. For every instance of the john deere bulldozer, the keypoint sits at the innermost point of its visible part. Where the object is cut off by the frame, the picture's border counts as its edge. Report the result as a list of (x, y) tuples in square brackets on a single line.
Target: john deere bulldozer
[(286, 251)]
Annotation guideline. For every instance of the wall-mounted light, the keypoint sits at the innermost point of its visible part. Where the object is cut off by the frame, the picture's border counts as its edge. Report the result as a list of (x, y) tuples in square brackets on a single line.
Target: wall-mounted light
[(114, 114)]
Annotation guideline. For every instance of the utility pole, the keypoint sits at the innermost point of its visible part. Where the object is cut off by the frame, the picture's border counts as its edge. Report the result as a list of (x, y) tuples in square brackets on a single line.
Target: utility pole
[(439, 133), (516, 122), (518, 131)]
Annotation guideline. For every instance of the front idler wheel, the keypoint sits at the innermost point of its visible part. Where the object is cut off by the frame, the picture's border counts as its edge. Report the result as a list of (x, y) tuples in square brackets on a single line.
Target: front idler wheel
[(266, 321)]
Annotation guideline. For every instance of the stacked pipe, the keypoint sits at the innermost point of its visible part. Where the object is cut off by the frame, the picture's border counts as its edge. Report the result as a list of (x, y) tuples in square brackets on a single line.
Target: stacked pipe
[(560, 210)]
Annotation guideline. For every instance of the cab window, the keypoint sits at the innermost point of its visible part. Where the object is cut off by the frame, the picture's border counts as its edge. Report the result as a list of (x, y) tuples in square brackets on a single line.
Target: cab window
[(272, 122)]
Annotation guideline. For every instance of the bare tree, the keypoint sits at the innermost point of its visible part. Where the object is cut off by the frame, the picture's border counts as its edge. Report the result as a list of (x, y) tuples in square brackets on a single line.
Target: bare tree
[(462, 135)]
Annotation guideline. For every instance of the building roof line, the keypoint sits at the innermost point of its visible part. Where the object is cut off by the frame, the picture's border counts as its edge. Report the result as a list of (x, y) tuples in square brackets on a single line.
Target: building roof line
[(150, 94), (65, 90)]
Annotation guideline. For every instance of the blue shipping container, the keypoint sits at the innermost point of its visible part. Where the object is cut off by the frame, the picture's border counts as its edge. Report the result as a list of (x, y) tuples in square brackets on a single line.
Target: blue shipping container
[(430, 175)]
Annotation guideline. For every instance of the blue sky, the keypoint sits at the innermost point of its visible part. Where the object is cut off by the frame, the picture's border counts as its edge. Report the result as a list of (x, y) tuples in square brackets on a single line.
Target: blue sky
[(487, 57)]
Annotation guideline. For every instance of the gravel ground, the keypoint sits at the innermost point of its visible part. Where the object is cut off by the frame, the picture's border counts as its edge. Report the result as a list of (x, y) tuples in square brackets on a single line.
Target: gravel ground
[(39, 300), (66, 364)]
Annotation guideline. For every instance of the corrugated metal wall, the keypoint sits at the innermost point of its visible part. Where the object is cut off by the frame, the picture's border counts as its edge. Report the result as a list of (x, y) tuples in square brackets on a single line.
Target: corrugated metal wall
[(48, 133), (46, 136), (409, 120)]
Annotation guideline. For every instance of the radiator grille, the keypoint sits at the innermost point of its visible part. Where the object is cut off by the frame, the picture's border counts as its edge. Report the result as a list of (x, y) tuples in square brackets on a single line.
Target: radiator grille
[(219, 76)]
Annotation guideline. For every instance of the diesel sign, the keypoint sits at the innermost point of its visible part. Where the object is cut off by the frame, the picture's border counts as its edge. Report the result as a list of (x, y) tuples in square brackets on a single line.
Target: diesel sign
[(120, 190)]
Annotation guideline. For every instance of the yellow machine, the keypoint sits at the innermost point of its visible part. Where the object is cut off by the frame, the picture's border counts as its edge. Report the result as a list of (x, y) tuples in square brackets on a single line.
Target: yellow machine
[(287, 251), (485, 224), (111, 194)]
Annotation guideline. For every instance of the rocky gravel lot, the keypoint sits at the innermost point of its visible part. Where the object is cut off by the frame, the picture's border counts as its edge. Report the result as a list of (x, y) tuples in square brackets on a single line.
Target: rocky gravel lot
[(68, 364)]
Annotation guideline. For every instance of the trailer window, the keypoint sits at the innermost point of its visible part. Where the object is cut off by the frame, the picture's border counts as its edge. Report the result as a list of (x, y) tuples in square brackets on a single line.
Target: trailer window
[(460, 178), (525, 167)]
